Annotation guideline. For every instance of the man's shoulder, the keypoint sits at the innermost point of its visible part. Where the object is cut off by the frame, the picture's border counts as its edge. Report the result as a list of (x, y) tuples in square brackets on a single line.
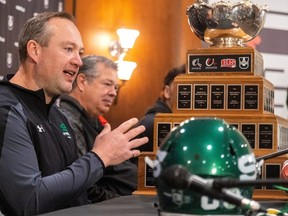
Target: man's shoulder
[(148, 119), (7, 96), (69, 107)]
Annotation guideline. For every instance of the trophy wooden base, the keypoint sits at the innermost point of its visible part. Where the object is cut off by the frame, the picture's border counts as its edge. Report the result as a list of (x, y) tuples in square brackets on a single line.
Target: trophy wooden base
[(270, 169), (266, 133), (269, 195), (146, 181), (225, 83), (224, 61), (258, 195), (218, 94)]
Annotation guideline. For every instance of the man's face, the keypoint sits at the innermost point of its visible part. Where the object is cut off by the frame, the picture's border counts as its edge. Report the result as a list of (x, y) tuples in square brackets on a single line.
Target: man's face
[(98, 95), (58, 64)]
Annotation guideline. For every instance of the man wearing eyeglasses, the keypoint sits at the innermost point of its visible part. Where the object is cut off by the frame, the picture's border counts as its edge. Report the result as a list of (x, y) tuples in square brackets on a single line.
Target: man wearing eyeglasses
[(93, 93)]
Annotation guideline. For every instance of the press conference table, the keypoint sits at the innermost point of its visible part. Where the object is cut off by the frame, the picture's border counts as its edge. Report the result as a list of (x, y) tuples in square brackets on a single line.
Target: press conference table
[(136, 205)]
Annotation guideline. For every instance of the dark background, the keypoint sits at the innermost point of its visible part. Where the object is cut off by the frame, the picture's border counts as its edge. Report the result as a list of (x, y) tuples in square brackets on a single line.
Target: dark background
[(13, 15)]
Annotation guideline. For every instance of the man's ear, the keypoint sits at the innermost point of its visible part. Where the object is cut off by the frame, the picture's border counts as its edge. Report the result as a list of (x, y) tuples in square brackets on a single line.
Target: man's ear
[(167, 92), (81, 81), (33, 50)]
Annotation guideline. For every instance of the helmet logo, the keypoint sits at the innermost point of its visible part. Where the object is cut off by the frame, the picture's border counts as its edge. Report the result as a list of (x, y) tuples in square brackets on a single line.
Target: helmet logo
[(247, 165), (178, 197)]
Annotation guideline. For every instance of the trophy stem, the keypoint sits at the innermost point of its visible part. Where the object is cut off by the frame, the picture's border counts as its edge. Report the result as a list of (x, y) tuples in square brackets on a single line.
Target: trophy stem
[(227, 42)]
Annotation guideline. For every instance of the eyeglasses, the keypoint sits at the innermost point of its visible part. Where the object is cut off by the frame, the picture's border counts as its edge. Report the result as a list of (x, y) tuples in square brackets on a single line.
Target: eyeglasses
[(110, 84), (106, 83)]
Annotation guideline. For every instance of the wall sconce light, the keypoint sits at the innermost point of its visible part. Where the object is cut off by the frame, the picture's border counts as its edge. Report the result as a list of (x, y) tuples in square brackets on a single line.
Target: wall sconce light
[(125, 70), (119, 49), (126, 41)]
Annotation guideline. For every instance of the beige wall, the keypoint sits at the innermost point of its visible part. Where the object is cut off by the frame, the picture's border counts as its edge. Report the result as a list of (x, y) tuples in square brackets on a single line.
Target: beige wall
[(164, 39)]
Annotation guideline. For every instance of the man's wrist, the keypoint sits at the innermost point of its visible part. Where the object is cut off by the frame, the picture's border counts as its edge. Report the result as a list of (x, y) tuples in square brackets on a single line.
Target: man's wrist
[(97, 156)]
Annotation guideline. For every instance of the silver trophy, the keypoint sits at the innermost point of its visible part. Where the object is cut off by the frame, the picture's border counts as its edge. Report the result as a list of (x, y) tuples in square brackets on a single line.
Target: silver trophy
[(225, 24)]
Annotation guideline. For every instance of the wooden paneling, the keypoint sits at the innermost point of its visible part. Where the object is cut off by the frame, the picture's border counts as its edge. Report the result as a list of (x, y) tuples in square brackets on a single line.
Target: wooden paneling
[(164, 38)]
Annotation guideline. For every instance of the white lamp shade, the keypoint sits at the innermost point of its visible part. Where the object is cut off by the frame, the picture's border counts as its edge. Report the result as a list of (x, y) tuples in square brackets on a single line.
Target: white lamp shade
[(125, 69), (127, 37)]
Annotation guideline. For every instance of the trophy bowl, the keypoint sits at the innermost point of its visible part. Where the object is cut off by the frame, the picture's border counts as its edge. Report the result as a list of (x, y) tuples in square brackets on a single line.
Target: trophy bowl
[(225, 24)]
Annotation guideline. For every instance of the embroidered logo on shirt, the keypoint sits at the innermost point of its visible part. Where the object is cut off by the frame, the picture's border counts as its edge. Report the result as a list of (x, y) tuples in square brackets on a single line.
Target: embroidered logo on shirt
[(64, 130), (40, 128)]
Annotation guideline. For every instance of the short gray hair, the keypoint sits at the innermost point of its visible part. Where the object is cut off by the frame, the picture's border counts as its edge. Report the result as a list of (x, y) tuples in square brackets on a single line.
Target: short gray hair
[(90, 69)]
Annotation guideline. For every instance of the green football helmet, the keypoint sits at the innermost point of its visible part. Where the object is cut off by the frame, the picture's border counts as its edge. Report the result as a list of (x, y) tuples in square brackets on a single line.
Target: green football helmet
[(209, 148)]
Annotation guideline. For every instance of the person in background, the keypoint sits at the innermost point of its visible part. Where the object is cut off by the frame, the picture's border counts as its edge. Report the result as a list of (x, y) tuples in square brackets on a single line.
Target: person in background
[(92, 95), (39, 166), (162, 105)]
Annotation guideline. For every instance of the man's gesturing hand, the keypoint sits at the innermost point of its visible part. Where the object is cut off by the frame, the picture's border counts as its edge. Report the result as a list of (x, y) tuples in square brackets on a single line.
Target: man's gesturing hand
[(116, 146)]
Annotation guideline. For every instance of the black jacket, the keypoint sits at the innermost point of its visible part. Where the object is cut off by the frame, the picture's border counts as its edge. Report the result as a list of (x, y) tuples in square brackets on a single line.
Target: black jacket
[(39, 166), (117, 180), (148, 121)]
